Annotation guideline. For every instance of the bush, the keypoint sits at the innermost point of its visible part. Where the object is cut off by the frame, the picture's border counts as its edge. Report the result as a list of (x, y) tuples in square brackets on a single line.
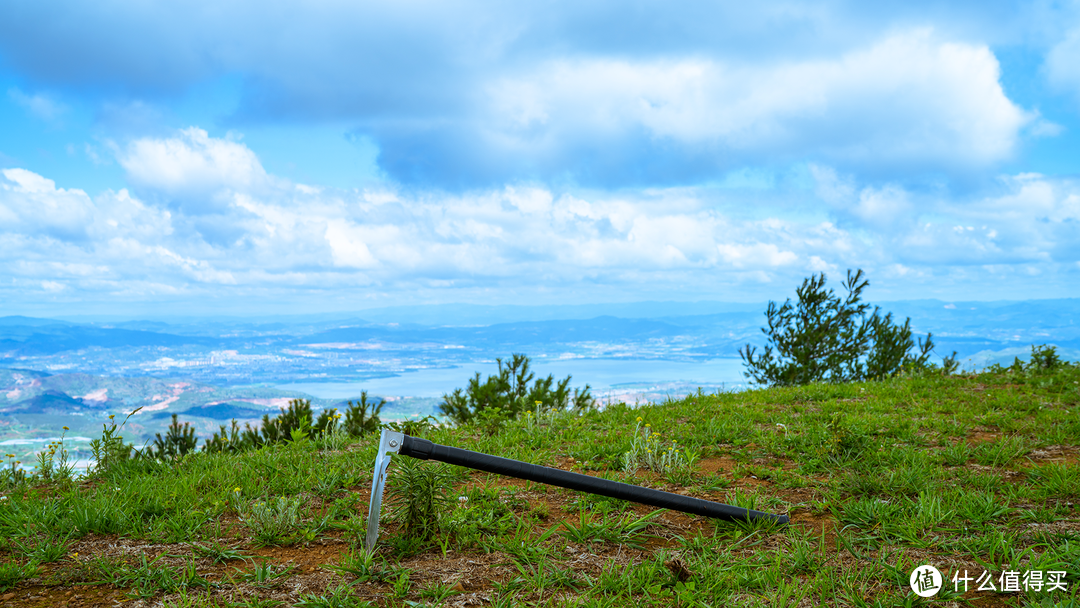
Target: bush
[(508, 394), (178, 440), (292, 424), (357, 421), (417, 496), (1044, 360), (823, 338)]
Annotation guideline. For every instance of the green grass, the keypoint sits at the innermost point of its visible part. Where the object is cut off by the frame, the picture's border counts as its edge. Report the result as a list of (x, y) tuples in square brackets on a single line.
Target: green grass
[(977, 471)]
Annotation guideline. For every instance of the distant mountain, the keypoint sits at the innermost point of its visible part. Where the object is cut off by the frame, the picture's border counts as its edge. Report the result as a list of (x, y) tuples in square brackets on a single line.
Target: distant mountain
[(605, 329), (18, 320), (477, 314), (47, 402), (42, 339)]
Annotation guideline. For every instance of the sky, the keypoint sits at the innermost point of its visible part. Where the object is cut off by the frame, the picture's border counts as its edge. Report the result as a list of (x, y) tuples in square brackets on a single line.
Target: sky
[(299, 157)]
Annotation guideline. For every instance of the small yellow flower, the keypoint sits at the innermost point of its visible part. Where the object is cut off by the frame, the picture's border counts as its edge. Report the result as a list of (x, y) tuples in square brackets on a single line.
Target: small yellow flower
[(237, 490), (639, 418), (539, 403), (66, 428), (111, 416)]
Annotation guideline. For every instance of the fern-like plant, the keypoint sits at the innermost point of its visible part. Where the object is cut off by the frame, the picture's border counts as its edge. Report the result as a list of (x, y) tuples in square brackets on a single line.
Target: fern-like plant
[(417, 494)]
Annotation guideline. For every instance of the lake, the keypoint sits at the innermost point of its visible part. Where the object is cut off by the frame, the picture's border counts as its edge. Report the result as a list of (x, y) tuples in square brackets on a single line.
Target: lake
[(602, 375)]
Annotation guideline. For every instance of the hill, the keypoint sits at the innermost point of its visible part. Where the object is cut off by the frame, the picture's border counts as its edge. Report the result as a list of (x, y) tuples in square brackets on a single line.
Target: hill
[(976, 474)]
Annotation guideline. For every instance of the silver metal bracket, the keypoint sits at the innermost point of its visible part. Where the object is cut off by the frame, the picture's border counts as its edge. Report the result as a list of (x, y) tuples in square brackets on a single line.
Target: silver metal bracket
[(389, 444)]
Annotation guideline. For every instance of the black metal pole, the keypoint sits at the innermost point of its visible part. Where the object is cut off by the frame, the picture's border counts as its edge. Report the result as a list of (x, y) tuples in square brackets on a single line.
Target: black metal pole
[(426, 450)]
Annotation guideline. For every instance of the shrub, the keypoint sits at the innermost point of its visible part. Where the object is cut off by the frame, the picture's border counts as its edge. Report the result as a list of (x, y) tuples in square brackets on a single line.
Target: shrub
[(357, 420), (417, 496), (508, 393), (178, 440), (826, 338), (292, 424)]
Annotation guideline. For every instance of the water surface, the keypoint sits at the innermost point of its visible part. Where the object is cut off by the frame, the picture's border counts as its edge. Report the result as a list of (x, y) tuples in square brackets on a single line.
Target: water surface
[(600, 374)]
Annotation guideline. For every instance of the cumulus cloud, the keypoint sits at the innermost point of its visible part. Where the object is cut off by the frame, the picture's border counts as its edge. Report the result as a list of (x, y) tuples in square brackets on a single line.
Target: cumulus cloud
[(32, 203), (193, 168), (476, 94), (1030, 219), (907, 101), (300, 238)]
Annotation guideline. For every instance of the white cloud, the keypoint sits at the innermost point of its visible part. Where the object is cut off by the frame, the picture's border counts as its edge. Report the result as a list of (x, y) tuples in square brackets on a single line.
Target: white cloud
[(32, 203), (322, 239), (193, 166), (909, 99), (347, 246)]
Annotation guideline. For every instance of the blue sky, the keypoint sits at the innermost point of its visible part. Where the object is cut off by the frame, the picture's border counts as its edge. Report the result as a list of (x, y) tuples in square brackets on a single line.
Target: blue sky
[(250, 157)]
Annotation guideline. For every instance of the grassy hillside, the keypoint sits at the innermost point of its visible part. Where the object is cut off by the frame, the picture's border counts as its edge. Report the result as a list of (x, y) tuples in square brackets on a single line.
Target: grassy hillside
[(974, 472)]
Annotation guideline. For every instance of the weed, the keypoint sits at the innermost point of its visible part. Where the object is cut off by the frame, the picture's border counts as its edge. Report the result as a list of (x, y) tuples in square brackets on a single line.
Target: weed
[(54, 461), (845, 442), (980, 507), (265, 574), (647, 451), (438, 592), (331, 482), (11, 574), (219, 553), (715, 482), (361, 566), (627, 530), (273, 521), (402, 583), (338, 597), (14, 475), (46, 550), (894, 497), (256, 602), (956, 455), (337, 438), (523, 547), (186, 599), (146, 578), (109, 450), (1002, 452), (541, 576), (1056, 479)]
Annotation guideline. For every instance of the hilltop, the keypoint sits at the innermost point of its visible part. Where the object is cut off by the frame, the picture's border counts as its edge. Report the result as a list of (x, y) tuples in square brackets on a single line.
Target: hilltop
[(973, 472)]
